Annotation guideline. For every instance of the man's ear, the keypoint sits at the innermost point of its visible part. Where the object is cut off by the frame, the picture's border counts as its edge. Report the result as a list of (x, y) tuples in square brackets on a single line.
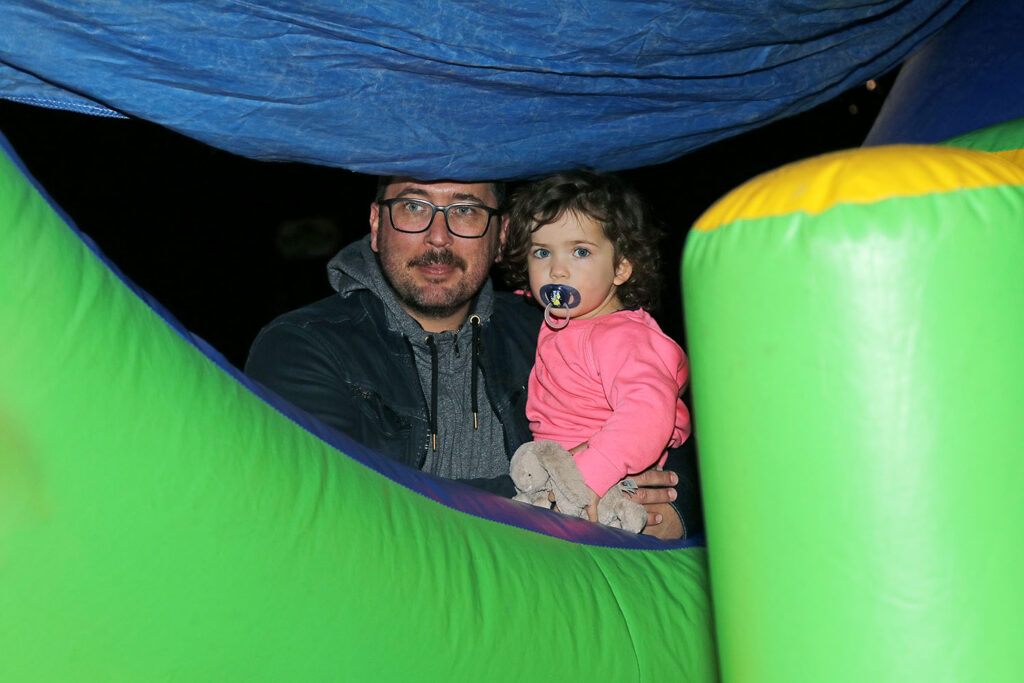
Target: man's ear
[(623, 271), (374, 224), (502, 236)]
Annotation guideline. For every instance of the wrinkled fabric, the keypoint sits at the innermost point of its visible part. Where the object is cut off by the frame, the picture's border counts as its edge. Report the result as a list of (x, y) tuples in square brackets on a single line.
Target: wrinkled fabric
[(462, 89)]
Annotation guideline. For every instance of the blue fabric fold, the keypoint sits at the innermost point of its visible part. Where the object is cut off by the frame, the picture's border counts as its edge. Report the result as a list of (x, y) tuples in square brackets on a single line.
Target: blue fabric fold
[(460, 89)]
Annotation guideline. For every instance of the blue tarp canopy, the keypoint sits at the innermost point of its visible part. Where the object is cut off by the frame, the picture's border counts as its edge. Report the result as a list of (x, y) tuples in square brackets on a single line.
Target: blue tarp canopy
[(461, 89)]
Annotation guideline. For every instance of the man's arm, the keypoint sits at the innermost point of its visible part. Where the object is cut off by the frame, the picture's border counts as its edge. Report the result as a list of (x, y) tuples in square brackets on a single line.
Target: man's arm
[(289, 360), (501, 485), (286, 359)]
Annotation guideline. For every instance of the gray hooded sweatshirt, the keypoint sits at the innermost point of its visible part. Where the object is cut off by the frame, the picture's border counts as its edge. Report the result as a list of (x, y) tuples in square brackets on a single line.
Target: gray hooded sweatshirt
[(463, 451)]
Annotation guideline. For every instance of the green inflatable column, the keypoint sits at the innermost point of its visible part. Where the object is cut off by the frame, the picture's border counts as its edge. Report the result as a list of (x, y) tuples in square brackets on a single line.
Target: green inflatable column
[(856, 327)]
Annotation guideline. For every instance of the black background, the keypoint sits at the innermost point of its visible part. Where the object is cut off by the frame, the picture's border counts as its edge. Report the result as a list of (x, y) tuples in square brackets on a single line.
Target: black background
[(227, 243)]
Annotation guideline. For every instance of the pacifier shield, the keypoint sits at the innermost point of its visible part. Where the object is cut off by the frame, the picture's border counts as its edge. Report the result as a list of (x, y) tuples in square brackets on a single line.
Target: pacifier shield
[(559, 296)]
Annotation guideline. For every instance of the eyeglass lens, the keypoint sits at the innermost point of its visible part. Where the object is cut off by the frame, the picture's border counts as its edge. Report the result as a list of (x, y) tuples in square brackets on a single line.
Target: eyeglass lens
[(414, 215)]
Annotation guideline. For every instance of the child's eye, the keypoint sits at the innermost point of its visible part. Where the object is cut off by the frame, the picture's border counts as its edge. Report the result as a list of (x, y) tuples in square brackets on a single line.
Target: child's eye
[(541, 253), (581, 252)]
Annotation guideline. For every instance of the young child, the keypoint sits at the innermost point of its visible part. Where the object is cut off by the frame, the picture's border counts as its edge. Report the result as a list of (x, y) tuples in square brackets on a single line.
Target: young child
[(607, 381)]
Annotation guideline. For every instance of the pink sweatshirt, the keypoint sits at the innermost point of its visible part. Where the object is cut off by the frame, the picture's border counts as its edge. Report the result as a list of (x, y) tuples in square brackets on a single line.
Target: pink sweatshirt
[(615, 381)]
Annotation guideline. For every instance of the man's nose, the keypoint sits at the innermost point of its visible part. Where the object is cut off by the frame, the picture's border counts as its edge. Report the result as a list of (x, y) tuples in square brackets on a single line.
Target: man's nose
[(437, 234)]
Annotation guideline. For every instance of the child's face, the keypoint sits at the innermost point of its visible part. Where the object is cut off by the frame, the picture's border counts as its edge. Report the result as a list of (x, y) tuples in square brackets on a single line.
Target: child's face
[(574, 251)]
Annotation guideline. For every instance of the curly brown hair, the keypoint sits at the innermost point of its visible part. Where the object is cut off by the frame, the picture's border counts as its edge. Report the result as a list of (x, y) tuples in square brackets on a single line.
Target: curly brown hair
[(604, 197)]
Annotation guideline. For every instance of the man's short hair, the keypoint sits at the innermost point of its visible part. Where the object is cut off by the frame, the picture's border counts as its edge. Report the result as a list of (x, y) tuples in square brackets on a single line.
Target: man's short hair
[(497, 186)]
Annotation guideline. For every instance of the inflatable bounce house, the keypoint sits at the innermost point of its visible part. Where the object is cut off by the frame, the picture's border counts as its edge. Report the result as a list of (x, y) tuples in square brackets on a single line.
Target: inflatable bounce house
[(854, 321)]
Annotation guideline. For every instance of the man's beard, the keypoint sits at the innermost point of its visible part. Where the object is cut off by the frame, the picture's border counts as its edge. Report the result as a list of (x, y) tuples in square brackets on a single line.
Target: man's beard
[(410, 295)]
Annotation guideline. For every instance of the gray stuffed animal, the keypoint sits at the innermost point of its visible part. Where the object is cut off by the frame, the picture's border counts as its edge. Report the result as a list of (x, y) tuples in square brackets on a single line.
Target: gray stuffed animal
[(540, 467)]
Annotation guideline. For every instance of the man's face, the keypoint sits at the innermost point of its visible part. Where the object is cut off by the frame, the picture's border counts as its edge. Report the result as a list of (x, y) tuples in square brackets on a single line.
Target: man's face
[(434, 273)]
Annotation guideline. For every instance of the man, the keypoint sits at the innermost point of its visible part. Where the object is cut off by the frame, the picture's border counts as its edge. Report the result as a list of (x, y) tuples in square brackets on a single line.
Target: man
[(417, 356)]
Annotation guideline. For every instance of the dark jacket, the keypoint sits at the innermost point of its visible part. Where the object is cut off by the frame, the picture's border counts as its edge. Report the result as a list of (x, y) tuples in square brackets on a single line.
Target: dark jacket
[(338, 360)]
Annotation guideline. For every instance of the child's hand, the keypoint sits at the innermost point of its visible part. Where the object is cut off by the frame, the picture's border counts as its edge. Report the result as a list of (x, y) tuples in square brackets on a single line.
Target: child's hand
[(592, 505)]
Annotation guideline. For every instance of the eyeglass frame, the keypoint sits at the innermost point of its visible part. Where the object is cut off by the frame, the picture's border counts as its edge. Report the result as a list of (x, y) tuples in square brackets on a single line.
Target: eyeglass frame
[(491, 213)]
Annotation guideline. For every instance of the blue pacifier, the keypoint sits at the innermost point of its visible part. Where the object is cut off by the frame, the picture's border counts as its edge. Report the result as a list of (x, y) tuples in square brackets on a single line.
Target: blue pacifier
[(558, 296)]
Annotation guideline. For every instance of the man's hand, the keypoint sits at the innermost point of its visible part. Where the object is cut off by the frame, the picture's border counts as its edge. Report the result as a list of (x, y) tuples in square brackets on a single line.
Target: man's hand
[(655, 494)]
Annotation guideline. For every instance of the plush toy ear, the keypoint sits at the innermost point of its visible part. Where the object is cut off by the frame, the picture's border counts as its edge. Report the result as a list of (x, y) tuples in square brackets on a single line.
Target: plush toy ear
[(527, 469), (531, 479), (521, 466)]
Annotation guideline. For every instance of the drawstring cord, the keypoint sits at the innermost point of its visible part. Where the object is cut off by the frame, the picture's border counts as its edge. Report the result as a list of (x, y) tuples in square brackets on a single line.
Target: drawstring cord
[(432, 418), (474, 371), (474, 321)]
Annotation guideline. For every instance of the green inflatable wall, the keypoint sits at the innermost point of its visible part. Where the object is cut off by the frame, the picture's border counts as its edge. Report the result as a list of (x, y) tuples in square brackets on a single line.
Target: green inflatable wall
[(856, 330), (160, 522), (855, 325)]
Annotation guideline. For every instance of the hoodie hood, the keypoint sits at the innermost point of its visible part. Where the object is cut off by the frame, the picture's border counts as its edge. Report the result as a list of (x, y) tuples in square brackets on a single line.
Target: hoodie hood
[(463, 424)]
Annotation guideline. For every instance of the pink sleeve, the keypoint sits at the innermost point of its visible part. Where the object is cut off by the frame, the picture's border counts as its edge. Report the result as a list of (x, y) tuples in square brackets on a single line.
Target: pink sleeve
[(643, 374)]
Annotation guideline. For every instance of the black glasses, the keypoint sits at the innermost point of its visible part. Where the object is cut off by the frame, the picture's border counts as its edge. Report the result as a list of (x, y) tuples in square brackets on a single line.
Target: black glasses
[(463, 219)]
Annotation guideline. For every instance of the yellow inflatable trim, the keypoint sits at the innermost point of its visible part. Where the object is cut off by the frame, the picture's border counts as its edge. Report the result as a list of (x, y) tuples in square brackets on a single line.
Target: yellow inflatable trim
[(1014, 156), (871, 175)]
